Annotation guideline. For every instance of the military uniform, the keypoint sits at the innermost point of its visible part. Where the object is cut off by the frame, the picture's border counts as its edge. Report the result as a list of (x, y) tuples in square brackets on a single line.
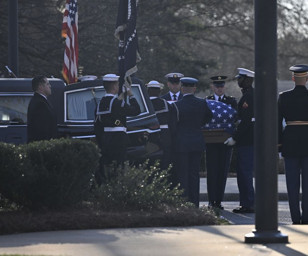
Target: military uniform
[(164, 112), (244, 137), (293, 108), (111, 128), (173, 78), (192, 114), (218, 155)]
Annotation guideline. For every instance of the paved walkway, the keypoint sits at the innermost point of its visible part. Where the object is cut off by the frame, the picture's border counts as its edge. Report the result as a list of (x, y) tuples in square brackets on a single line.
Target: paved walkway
[(177, 241)]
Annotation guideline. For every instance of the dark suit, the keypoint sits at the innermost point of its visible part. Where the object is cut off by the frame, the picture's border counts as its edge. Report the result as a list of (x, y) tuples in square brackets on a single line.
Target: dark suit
[(42, 121), (293, 106), (218, 159), (244, 137), (192, 114), (167, 96), (110, 130)]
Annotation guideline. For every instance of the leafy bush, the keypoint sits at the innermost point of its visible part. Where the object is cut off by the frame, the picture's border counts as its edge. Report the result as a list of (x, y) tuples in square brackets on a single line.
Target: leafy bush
[(140, 187), (10, 170), (53, 174)]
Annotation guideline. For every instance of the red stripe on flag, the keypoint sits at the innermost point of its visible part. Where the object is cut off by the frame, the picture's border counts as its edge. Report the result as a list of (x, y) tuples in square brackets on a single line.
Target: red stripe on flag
[(70, 32)]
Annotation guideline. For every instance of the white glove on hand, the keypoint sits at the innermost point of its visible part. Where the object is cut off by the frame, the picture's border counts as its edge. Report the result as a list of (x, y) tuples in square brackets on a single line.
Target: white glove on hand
[(230, 142)]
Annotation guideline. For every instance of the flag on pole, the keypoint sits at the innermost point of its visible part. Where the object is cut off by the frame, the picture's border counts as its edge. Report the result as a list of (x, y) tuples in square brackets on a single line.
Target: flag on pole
[(70, 33), (128, 40)]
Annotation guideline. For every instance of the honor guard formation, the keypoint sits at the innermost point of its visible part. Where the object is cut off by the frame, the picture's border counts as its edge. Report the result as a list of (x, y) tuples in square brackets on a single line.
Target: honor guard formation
[(184, 121)]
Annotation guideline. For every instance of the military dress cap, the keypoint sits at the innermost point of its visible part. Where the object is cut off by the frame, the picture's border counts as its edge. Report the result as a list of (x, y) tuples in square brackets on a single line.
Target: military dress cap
[(154, 84), (245, 72), (189, 81), (110, 78), (219, 81), (299, 70), (174, 77), (87, 78)]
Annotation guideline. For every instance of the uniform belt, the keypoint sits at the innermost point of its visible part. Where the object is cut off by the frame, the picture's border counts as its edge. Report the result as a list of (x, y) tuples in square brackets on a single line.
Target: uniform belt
[(115, 129), (163, 126), (297, 123)]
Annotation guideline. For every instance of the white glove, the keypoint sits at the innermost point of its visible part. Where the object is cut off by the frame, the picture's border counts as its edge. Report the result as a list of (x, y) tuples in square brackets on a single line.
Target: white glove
[(230, 142), (280, 155)]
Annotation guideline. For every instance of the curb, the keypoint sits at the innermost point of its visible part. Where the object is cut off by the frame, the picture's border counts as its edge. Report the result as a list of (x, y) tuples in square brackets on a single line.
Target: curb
[(235, 197)]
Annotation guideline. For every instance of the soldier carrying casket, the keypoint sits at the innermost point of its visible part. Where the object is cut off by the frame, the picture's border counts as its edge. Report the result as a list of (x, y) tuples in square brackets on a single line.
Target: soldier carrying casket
[(218, 155)]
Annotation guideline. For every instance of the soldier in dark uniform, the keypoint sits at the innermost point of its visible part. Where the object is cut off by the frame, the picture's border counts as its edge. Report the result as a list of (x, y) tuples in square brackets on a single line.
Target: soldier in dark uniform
[(164, 112), (192, 114), (243, 138), (110, 122), (173, 83), (218, 155), (42, 121), (293, 108)]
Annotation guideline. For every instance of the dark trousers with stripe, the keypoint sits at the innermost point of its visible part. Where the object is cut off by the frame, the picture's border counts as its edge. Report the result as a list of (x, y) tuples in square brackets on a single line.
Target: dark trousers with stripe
[(245, 175), (296, 169)]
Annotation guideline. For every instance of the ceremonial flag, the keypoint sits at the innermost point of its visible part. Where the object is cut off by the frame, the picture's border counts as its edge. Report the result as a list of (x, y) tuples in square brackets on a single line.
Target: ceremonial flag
[(128, 40), (224, 116), (70, 33)]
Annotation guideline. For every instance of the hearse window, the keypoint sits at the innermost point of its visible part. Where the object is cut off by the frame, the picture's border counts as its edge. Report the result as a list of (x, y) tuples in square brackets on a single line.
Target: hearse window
[(13, 109), (81, 104)]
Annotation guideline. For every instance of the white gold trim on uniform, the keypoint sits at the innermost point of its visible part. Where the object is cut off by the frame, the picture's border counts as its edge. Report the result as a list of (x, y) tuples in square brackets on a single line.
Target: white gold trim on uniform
[(164, 109), (115, 129), (163, 126), (107, 111)]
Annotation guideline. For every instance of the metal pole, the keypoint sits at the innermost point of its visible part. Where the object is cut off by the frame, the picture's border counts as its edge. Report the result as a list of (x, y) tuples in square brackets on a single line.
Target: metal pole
[(266, 229), (13, 36)]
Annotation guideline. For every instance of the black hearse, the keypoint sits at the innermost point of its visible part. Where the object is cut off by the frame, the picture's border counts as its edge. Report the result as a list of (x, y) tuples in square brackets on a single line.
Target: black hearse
[(75, 106)]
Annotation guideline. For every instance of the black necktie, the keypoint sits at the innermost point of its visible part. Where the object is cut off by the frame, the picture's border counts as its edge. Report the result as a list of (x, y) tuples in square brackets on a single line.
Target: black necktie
[(174, 96), (219, 98)]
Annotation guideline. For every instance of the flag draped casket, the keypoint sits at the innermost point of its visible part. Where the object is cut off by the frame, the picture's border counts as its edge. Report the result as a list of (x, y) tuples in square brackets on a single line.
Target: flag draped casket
[(222, 125)]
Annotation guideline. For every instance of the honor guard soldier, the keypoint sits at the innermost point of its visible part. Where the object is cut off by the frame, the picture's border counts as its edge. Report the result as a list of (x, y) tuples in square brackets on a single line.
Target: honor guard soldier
[(192, 114), (110, 123), (164, 113), (218, 155), (293, 108), (173, 83), (243, 138)]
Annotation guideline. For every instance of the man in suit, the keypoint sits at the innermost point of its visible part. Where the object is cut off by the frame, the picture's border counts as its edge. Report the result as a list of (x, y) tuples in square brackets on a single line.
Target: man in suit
[(110, 124), (41, 119), (218, 155), (243, 138), (173, 83), (293, 140), (192, 114), (164, 113)]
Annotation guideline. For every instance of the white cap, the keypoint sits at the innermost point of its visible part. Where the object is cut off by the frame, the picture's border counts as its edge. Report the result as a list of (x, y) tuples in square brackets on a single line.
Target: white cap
[(245, 72), (87, 78), (110, 77), (154, 84)]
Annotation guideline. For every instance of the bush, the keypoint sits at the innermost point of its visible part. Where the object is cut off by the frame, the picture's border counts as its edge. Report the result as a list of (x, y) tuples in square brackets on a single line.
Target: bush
[(55, 174), (140, 187), (10, 171)]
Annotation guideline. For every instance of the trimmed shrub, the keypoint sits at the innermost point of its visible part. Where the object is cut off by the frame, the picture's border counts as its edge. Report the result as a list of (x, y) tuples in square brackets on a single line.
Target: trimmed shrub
[(10, 171), (55, 173), (141, 187)]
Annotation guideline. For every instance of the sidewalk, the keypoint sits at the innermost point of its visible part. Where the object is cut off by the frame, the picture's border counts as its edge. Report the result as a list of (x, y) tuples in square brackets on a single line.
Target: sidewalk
[(175, 241)]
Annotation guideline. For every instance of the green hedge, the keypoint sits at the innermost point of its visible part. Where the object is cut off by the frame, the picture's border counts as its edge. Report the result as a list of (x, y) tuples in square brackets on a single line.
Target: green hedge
[(48, 174)]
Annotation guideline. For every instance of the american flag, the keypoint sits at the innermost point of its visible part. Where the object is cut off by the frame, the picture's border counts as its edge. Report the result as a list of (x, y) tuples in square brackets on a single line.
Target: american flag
[(70, 33), (224, 116), (128, 40)]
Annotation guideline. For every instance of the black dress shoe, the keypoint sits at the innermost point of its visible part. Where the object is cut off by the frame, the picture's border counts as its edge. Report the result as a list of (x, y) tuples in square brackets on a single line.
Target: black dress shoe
[(218, 205), (242, 209)]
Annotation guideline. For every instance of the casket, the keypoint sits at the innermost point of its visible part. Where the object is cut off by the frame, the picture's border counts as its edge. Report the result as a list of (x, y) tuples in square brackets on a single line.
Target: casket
[(222, 125)]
